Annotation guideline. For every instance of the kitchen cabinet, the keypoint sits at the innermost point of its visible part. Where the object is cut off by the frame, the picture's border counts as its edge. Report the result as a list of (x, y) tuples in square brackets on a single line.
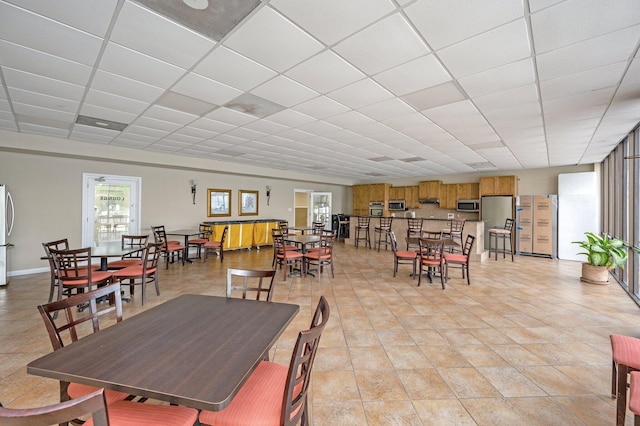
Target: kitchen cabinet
[(448, 196), (379, 192), (398, 193), (411, 196), (498, 185), (360, 200), (429, 189), (468, 191)]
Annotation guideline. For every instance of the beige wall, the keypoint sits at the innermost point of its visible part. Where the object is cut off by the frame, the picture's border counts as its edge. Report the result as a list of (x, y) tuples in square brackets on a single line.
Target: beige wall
[(47, 192)]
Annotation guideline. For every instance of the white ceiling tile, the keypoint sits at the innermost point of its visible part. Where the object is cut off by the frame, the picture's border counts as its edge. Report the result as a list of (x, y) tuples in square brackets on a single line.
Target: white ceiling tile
[(238, 71), (386, 109), (92, 16), (44, 85), (436, 96), (128, 63), (407, 121), (515, 74), (156, 124), (169, 115), (199, 87), (519, 95), (585, 81), (576, 20), (284, 91), (41, 112), (349, 120), (19, 26), (44, 101), (321, 107), (108, 100), (386, 44), (150, 134), (443, 23), (125, 87), (455, 110), (270, 39), (325, 72), (503, 45), (593, 53), (333, 20), (147, 32), (230, 116), (43, 130), (360, 94), (412, 76)]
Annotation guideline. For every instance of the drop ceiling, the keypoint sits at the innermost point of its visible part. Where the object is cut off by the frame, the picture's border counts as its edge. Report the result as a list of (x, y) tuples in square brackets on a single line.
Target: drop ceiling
[(363, 90)]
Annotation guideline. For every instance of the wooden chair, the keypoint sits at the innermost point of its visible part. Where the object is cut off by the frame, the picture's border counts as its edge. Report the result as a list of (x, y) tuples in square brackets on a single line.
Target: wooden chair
[(64, 329), (461, 259), (382, 230), (169, 251), (74, 271), (130, 241), (263, 283), (414, 231), (287, 259), (402, 256), (634, 397), (322, 256), (430, 255), (454, 232), (216, 245), (362, 231), (625, 355), (160, 228), (275, 394), (203, 238), (504, 234), (145, 272), (56, 245), (93, 403)]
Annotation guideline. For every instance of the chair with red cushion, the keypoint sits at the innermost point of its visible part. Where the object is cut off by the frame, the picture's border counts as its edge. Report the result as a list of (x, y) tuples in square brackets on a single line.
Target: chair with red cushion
[(129, 413), (138, 242), (275, 394), (285, 258), (169, 251), (216, 245), (461, 259), (430, 256), (322, 256), (402, 256), (202, 238), (74, 270), (145, 272), (253, 281), (92, 403), (625, 354), (634, 396), (63, 329)]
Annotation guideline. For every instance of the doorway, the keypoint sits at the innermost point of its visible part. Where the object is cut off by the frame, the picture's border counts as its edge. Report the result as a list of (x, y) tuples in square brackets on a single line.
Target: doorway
[(321, 208), (110, 208)]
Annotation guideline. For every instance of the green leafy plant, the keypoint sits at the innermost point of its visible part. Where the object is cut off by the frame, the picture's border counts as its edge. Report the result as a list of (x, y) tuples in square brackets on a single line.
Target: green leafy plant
[(604, 251)]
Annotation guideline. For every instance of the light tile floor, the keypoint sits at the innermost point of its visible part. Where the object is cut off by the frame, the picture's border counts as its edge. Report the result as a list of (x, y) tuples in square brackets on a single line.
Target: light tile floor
[(526, 343)]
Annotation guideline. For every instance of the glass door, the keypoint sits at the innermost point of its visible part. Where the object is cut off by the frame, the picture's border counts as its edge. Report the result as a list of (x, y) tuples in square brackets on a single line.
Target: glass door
[(321, 208), (111, 208)]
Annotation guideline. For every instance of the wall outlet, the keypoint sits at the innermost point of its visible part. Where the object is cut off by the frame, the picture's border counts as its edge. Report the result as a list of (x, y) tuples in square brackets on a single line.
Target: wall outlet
[(451, 215)]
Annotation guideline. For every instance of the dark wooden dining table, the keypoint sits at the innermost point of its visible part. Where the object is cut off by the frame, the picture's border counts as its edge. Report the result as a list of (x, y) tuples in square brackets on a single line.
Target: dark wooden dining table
[(193, 350), (302, 241), (104, 252)]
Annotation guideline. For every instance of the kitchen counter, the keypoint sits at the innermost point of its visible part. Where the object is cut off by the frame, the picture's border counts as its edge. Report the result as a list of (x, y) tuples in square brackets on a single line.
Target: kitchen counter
[(435, 224)]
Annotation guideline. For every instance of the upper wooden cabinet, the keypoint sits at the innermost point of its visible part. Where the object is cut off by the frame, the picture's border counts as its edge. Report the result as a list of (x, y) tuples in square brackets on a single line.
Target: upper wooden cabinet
[(411, 196), (451, 193), (468, 191), (398, 193), (429, 189), (498, 185), (379, 192), (360, 200)]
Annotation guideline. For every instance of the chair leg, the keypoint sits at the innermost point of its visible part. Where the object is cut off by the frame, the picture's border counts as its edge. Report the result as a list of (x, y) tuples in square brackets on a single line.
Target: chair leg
[(621, 403)]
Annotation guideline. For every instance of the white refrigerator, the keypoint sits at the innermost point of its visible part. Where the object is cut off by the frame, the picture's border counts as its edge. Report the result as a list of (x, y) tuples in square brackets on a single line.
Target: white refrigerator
[(7, 216)]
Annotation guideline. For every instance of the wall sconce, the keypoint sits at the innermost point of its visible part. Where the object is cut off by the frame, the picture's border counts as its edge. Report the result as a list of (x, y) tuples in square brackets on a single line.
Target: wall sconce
[(193, 189), (268, 193)]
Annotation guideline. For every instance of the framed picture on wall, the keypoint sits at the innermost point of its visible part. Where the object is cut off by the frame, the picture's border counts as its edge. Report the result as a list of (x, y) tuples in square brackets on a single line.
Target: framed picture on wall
[(247, 202), (218, 202)]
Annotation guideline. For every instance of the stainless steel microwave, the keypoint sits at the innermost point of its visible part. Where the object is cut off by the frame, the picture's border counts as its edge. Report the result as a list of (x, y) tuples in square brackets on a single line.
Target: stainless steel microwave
[(397, 205), (468, 205)]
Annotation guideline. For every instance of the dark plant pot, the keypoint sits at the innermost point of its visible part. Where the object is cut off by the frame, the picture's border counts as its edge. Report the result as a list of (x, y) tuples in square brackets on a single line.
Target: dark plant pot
[(594, 274)]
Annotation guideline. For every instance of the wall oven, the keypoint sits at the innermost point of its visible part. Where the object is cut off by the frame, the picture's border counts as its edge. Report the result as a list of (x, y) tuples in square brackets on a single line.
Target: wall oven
[(376, 209)]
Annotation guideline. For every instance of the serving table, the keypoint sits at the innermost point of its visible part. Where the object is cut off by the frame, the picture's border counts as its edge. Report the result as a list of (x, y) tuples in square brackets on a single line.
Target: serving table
[(193, 350)]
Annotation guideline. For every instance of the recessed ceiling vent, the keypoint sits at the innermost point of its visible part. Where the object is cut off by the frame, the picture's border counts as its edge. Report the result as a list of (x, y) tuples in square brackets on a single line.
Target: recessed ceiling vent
[(100, 123)]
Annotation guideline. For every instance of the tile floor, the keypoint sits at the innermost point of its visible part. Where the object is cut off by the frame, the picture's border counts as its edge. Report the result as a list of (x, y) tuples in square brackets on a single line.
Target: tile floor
[(526, 343)]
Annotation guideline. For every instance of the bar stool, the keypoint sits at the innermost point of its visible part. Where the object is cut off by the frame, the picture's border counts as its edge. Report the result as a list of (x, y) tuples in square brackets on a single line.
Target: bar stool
[(454, 232), (383, 229), (502, 234), (414, 231), (362, 230), (625, 354)]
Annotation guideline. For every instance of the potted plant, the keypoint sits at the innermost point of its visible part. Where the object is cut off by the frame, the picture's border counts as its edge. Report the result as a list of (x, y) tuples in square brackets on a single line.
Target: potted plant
[(603, 253)]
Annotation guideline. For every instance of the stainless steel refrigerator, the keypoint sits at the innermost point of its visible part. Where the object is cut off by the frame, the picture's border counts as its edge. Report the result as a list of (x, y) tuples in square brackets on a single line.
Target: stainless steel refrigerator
[(494, 212), (7, 216)]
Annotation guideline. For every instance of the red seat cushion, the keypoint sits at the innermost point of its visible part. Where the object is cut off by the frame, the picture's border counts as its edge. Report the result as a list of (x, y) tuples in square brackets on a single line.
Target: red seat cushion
[(455, 258), (212, 244), (258, 402), (127, 413), (198, 241), (76, 390), (96, 277), (132, 272), (634, 393), (626, 350), (407, 254), (123, 263)]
